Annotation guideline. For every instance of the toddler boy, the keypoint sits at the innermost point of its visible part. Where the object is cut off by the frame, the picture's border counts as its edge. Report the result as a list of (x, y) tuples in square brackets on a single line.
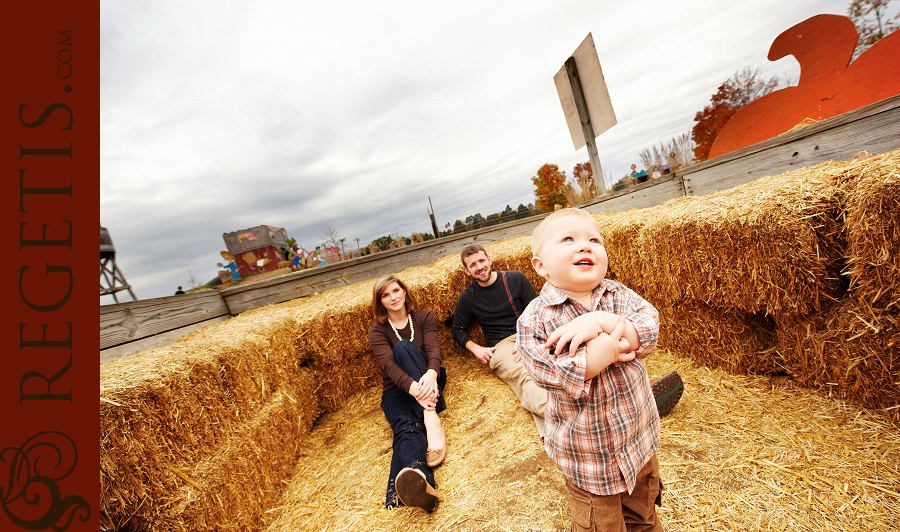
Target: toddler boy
[(584, 340)]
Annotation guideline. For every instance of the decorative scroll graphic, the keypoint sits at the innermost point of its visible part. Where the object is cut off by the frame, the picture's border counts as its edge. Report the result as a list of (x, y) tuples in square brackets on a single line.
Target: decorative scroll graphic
[(31, 497)]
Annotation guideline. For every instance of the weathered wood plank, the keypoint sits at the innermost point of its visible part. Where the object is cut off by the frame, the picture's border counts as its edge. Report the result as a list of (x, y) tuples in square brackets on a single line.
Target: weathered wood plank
[(648, 194), (125, 322), (874, 128), (298, 284), (157, 340)]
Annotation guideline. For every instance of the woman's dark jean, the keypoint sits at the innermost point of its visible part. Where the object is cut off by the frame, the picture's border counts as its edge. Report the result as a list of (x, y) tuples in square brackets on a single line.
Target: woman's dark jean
[(406, 418)]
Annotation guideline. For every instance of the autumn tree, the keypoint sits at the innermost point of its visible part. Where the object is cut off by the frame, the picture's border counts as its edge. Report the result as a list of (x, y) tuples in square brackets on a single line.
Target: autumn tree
[(548, 187), (381, 243), (740, 89), (581, 187), (872, 22)]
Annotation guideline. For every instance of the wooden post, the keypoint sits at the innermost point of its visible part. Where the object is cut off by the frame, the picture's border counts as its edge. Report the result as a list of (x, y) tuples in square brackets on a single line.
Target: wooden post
[(586, 126), (434, 227)]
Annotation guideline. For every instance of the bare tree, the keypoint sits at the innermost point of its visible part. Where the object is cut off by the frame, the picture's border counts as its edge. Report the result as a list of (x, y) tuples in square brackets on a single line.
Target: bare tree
[(871, 30), (332, 237)]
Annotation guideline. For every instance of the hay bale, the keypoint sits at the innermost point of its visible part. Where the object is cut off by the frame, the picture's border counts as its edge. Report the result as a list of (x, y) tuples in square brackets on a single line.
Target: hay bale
[(232, 489), (737, 453), (850, 351), (872, 227), (164, 410), (730, 340), (769, 246)]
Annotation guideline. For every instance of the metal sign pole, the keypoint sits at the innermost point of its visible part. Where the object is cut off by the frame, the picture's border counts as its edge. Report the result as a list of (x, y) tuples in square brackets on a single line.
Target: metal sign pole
[(587, 128)]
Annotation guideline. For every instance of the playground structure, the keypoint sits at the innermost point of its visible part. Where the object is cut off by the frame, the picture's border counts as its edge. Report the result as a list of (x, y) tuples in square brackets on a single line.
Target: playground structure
[(257, 249), (112, 280), (264, 248)]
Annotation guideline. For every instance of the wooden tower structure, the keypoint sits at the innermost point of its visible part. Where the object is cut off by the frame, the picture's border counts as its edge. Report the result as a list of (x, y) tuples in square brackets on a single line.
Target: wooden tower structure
[(112, 279)]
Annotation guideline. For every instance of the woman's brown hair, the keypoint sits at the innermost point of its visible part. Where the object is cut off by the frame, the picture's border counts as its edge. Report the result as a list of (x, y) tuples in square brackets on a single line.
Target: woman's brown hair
[(378, 309)]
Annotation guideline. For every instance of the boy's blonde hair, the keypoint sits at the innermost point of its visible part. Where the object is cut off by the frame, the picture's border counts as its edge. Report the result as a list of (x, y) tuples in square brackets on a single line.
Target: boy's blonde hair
[(537, 236)]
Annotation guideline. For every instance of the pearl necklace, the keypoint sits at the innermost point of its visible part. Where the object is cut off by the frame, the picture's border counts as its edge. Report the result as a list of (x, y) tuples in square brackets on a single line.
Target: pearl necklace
[(412, 331)]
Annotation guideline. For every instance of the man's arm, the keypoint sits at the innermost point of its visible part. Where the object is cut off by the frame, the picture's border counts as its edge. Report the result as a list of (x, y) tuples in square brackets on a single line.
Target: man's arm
[(462, 320), (484, 354)]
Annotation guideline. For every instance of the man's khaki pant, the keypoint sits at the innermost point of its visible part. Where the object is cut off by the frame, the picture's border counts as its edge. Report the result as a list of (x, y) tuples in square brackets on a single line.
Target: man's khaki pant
[(514, 374)]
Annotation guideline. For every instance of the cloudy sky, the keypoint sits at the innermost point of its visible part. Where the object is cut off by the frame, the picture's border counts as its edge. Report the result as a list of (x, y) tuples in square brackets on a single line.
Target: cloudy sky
[(220, 116)]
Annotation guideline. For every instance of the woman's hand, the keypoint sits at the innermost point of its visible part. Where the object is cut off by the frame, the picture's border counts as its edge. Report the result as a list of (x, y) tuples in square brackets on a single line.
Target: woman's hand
[(425, 390)]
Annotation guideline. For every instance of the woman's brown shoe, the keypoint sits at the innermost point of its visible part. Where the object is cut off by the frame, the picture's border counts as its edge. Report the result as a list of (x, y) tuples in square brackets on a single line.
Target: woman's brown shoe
[(414, 490), (434, 457)]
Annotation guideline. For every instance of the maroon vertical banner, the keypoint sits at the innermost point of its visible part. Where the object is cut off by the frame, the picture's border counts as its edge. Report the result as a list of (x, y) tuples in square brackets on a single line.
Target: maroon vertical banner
[(49, 369)]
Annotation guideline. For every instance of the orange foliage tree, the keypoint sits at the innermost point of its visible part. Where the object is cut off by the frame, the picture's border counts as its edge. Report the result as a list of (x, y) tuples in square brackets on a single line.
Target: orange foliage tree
[(548, 187), (737, 91)]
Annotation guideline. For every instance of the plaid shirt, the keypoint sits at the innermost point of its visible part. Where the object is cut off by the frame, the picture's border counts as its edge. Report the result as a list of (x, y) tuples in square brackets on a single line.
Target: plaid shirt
[(602, 431)]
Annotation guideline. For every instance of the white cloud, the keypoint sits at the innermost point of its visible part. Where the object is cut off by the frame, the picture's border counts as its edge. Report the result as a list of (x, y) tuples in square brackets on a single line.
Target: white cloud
[(221, 116)]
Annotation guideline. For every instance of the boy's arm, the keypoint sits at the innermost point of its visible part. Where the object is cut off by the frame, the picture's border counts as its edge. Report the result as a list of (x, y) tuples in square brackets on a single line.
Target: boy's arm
[(559, 373), (606, 349), (589, 326), (642, 315)]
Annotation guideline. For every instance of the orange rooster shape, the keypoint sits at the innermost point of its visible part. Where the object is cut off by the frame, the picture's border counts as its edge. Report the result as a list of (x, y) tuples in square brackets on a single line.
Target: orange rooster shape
[(829, 84)]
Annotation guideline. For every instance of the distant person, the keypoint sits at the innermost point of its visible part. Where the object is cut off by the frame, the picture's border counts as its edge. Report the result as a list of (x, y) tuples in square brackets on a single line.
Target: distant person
[(584, 339), (405, 342), (179, 291)]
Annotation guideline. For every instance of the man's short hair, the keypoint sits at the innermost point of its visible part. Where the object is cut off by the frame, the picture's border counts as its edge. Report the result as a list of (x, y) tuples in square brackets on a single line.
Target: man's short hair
[(537, 236), (471, 249)]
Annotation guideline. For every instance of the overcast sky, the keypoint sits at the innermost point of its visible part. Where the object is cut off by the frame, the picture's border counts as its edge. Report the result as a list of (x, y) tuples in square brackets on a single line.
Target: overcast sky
[(220, 116)]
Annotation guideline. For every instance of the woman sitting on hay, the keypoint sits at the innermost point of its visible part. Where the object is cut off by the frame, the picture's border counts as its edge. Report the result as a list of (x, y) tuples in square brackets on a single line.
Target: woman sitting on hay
[(405, 342)]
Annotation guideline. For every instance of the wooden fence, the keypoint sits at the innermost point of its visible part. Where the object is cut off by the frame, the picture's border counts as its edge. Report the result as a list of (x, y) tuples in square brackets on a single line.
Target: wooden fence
[(134, 326)]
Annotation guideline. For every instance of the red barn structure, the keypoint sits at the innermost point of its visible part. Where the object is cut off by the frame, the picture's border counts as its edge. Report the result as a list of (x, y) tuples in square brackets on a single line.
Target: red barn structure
[(257, 249)]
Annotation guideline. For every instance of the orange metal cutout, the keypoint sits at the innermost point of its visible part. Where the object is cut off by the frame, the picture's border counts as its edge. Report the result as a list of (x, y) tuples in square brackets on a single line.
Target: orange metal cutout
[(829, 83)]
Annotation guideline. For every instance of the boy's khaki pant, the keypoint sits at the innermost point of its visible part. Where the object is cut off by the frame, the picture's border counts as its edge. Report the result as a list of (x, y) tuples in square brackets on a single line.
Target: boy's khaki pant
[(622, 512), (514, 374)]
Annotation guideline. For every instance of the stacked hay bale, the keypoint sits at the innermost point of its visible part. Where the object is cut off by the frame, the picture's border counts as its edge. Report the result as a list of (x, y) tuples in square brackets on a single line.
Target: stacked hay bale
[(195, 436), (794, 273), (203, 434), (720, 267), (853, 346)]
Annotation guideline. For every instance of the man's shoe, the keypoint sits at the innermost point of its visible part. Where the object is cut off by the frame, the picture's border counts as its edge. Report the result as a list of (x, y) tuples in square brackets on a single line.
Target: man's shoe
[(667, 391), (414, 490)]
